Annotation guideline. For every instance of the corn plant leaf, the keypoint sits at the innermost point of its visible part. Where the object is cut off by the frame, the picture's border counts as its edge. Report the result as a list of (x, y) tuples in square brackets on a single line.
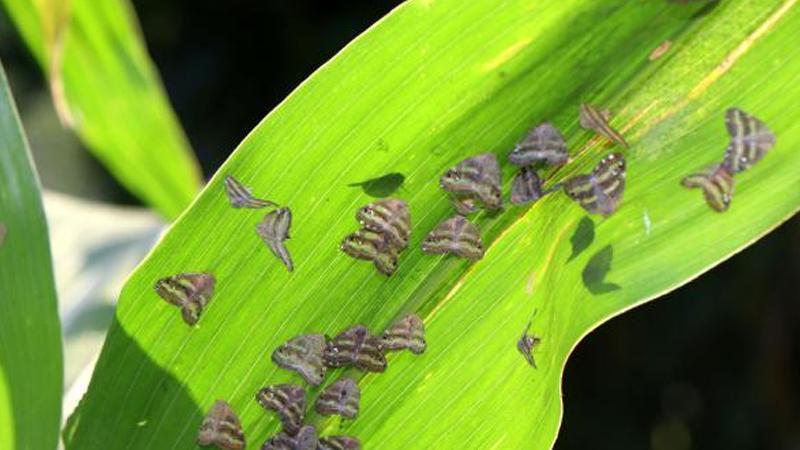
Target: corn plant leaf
[(432, 83), (106, 88), (30, 336)]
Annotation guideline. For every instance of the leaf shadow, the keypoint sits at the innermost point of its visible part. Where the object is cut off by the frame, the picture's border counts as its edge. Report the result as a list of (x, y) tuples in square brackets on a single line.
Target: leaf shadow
[(594, 274), (382, 186), (131, 395), (582, 238)]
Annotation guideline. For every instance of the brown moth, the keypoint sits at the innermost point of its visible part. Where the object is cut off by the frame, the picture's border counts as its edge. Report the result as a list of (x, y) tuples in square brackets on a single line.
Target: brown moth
[(601, 191), (475, 179), (750, 140), (303, 354), (240, 196), (339, 443), (717, 185), (355, 346), (340, 398), (306, 439), (526, 187), (526, 344), (406, 333), (289, 401), (390, 218), (274, 230), (371, 246), (457, 236), (3, 233), (542, 144), (189, 291), (222, 428), (593, 119)]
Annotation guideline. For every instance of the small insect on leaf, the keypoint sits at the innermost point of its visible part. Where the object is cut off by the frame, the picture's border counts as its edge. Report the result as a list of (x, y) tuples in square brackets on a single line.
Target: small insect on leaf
[(339, 443), (240, 196), (189, 291), (406, 333), (542, 144), (526, 344), (355, 346), (388, 217), (3, 233), (475, 179), (601, 191), (303, 354), (750, 140), (593, 119), (526, 187), (717, 185), (457, 236), (222, 428), (274, 230), (660, 51), (306, 439), (289, 401), (340, 398), (371, 246)]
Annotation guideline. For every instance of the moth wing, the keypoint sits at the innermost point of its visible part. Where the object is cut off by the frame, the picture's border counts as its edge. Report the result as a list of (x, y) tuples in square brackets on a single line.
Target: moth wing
[(612, 166), (339, 443), (553, 143), (484, 166), (280, 441), (191, 313), (608, 178), (275, 225), (717, 185), (278, 248), (526, 187), (237, 193), (306, 438), (578, 186), (222, 427), (172, 293), (734, 122), (182, 288)]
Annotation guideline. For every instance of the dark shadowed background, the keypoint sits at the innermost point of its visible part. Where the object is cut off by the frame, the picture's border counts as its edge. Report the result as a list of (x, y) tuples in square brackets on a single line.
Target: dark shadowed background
[(713, 365)]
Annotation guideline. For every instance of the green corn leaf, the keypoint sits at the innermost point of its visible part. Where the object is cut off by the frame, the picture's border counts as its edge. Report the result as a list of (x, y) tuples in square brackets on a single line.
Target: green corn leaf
[(432, 83), (105, 87), (30, 336)]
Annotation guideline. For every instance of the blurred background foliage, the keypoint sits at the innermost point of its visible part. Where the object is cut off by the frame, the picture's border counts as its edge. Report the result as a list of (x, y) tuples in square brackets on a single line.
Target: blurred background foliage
[(713, 365)]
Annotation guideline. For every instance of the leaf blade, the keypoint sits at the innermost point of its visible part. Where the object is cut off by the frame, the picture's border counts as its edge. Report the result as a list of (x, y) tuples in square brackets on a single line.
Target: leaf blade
[(30, 339), (106, 88), (428, 86)]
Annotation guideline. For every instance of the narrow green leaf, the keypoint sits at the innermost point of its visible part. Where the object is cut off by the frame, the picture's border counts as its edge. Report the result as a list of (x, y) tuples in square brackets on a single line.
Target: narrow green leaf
[(30, 336), (434, 82), (105, 86)]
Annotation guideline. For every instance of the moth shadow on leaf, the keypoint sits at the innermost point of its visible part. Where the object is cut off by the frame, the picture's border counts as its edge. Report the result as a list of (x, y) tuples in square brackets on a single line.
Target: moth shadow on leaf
[(134, 400), (582, 238), (382, 186), (596, 270), (707, 8)]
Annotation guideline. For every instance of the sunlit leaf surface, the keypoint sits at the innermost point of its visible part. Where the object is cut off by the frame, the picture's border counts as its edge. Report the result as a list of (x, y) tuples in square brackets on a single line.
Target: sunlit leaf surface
[(432, 83), (30, 336)]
